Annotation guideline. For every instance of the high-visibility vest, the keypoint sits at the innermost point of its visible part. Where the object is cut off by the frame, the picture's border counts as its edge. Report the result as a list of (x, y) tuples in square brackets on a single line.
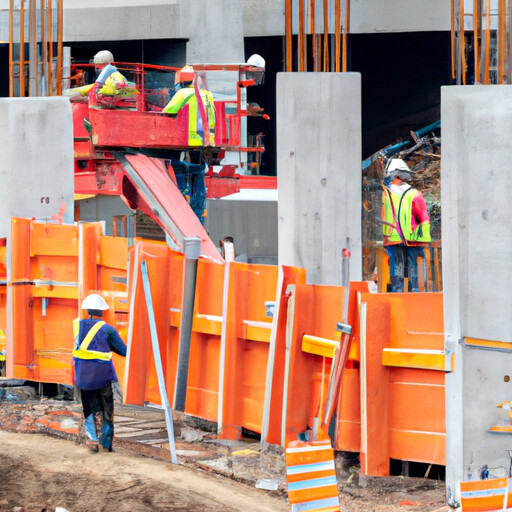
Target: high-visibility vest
[(187, 96), (397, 225), (83, 351)]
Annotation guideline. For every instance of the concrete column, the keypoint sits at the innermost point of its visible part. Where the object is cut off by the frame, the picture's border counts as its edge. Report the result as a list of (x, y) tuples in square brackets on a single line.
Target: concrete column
[(477, 275), (36, 167), (215, 28), (319, 173)]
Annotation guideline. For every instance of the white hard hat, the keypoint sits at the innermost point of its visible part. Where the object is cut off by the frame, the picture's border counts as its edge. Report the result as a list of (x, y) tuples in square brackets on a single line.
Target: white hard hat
[(256, 60), (103, 57), (394, 165), (95, 301)]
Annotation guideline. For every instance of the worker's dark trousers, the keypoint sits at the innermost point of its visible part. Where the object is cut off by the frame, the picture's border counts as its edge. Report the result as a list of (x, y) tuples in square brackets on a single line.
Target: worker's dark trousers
[(99, 401), (403, 261)]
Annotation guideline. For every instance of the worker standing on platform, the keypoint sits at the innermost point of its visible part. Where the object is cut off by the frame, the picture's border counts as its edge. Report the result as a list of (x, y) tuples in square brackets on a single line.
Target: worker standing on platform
[(94, 371), (201, 114), (406, 225), (110, 81)]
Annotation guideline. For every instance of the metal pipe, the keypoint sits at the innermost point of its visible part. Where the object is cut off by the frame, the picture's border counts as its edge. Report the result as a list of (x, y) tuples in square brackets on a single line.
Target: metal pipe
[(11, 44), (337, 31), (288, 33), (326, 35), (346, 30), (60, 30), (158, 361), (191, 246)]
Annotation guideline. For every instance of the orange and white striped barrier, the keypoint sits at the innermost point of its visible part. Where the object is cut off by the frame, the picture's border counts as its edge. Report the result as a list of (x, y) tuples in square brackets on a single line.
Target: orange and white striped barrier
[(311, 477)]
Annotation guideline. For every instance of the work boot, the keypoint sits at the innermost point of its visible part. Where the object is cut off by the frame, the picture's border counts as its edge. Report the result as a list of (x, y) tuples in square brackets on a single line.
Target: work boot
[(103, 449), (92, 445)]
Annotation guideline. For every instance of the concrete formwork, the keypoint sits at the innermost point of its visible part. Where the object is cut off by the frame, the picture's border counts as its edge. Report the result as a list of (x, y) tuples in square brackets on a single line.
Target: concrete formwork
[(36, 168), (477, 274), (319, 173)]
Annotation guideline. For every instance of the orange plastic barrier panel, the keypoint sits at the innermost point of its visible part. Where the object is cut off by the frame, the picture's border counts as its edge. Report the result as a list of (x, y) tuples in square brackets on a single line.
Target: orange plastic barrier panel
[(47, 279), (248, 330), (313, 310), (404, 364), (3, 296)]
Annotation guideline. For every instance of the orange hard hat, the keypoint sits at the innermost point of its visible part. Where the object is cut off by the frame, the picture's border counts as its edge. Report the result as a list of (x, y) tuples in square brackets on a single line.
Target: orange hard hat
[(185, 74)]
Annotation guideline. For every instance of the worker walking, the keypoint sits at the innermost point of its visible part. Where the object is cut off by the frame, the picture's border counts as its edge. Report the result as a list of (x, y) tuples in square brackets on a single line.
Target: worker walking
[(94, 371), (406, 225), (201, 114)]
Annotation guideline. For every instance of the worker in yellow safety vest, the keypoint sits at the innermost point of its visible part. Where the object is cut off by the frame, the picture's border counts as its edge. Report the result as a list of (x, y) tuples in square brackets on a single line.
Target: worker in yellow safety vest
[(94, 372), (201, 115), (405, 226), (110, 81)]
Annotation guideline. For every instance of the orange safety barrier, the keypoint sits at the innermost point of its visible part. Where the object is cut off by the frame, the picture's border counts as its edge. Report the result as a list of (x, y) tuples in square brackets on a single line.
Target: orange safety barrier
[(403, 366), (3, 296), (246, 369), (52, 267)]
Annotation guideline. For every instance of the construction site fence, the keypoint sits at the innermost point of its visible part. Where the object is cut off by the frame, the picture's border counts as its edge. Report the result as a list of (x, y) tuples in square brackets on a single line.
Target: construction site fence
[(261, 344)]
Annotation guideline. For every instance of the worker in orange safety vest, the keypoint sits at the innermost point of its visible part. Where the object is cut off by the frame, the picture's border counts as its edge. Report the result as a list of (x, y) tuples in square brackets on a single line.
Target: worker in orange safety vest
[(201, 118), (406, 225), (94, 372)]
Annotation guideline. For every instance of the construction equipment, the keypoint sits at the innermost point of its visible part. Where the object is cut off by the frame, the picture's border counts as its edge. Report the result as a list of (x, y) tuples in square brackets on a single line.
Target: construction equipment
[(111, 132)]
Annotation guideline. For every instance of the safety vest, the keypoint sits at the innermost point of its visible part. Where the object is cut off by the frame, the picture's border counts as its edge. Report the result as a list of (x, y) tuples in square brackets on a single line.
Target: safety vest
[(187, 96), (83, 351), (397, 225)]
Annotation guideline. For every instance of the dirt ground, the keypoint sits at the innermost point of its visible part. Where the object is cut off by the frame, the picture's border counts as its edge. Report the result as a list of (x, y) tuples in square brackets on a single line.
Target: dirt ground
[(38, 471)]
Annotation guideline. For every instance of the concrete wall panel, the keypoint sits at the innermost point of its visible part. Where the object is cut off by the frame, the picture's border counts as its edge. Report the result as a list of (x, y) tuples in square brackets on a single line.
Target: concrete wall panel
[(319, 172), (477, 275), (36, 168)]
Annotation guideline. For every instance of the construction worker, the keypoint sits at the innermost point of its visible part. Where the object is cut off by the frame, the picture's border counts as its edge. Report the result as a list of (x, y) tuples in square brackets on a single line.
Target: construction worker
[(198, 115), (406, 225), (94, 372), (110, 81)]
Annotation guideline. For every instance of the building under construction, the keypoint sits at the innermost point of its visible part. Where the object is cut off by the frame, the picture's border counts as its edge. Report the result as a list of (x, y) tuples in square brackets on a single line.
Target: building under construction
[(285, 336)]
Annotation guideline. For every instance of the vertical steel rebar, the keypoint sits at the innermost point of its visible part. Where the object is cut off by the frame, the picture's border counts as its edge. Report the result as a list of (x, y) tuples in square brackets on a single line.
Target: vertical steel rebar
[(452, 38), (22, 48), (300, 37), (49, 22), (501, 36), (337, 31), (11, 44), (476, 24), (314, 52), (288, 33), (326, 35), (44, 51), (33, 75), (60, 30), (346, 29), (462, 43), (487, 77)]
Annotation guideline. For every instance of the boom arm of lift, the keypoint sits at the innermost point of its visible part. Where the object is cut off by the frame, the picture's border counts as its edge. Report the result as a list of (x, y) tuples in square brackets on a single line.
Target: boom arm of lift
[(147, 186)]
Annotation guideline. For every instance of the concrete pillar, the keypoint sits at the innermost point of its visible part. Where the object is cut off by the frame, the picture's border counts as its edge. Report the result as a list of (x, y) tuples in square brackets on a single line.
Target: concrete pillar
[(36, 167), (477, 277), (215, 29), (319, 173)]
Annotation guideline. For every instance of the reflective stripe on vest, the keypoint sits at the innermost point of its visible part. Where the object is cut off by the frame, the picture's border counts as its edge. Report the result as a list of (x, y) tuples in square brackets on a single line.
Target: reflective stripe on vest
[(397, 226), (83, 353)]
